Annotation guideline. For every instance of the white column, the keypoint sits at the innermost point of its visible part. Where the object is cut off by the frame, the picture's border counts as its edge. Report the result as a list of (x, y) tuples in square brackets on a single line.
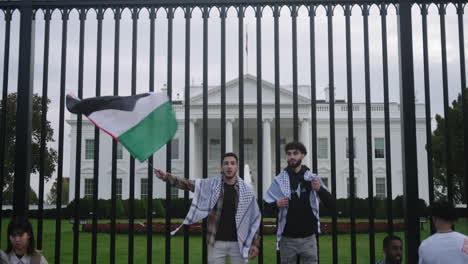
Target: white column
[(266, 154), (304, 137), (229, 136), (193, 150)]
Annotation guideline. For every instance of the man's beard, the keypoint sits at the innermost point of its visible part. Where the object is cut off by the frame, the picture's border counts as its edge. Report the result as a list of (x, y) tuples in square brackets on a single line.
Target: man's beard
[(295, 164), (394, 261)]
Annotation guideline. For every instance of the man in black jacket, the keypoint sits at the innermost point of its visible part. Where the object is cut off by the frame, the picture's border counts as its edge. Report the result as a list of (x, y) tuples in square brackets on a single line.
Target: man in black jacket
[(296, 192)]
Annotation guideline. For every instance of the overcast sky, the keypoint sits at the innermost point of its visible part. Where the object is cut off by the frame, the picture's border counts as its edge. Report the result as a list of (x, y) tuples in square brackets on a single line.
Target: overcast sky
[(232, 59)]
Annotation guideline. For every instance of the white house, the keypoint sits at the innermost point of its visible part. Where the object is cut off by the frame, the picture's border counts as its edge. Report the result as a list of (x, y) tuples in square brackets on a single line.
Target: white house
[(250, 145)]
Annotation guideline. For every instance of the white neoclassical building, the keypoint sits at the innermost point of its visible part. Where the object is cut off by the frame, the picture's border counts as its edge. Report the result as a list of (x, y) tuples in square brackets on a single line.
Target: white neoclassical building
[(250, 143)]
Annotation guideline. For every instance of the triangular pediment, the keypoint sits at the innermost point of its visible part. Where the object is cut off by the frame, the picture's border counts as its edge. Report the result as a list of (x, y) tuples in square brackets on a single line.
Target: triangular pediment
[(250, 93)]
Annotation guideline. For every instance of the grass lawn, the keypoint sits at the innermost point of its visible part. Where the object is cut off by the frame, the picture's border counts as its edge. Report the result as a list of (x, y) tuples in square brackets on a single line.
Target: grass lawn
[(344, 245)]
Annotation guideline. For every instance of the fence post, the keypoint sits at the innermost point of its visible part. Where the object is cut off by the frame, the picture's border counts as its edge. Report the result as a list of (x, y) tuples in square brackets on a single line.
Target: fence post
[(408, 132), (24, 110)]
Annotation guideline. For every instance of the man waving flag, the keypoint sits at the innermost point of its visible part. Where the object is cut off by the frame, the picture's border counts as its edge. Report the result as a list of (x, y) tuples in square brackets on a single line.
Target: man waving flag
[(143, 123)]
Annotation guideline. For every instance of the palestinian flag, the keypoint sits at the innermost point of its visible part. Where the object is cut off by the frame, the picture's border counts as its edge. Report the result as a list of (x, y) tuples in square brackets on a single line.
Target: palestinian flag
[(142, 123)]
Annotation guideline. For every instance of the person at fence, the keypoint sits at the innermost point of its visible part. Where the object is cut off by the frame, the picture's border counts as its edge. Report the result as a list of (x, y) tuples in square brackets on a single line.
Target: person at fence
[(392, 248), (232, 211), (295, 194), (446, 245), (21, 246)]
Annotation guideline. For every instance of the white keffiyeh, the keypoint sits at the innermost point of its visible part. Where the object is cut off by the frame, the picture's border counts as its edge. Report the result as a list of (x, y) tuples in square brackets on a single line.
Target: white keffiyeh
[(280, 188), (248, 215)]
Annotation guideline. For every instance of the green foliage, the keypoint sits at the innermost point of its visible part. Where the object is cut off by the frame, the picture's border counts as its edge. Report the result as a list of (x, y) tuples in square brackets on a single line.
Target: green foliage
[(52, 196), (8, 196), (456, 156), (159, 208), (50, 154), (120, 210)]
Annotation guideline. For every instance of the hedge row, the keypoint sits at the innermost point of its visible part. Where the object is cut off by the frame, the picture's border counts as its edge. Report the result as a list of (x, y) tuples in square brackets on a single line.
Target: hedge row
[(268, 227), (179, 209)]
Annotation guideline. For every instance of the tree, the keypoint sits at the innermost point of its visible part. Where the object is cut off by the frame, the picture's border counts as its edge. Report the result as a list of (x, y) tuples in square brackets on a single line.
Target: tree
[(50, 154), (456, 156), (52, 197)]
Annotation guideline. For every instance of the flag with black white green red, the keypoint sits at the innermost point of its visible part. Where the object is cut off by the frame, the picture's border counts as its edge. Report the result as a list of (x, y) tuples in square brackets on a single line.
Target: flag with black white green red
[(143, 123)]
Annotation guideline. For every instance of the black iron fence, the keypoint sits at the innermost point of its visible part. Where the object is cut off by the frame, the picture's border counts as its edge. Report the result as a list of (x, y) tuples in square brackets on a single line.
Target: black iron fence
[(26, 13)]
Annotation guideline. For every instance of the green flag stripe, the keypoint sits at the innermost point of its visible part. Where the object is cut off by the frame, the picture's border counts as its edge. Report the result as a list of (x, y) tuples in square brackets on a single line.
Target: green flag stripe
[(151, 133)]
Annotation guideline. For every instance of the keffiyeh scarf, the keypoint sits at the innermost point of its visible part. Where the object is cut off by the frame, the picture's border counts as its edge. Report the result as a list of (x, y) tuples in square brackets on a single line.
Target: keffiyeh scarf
[(280, 188), (206, 195)]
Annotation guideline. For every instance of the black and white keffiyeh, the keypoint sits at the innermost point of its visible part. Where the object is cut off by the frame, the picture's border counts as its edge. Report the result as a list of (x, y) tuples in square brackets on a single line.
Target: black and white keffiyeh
[(280, 188), (206, 195)]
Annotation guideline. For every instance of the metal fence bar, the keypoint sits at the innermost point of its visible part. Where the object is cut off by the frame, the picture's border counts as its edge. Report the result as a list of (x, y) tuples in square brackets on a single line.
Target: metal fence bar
[(24, 111), (131, 201), (260, 139), (94, 251), (313, 100), (408, 129), (313, 87), (187, 164), (461, 43), (170, 24), (447, 136), (44, 107), (205, 15), (294, 14), (79, 124), (370, 167), (276, 14), (331, 84), (349, 85), (6, 64), (388, 156), (149, 212), (63, 68), (117, 16), (427, 102), (241, 14), (223, 15)]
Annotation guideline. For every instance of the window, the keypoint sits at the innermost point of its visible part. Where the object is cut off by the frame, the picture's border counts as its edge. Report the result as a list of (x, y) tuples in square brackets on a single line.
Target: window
[(118, 188), (379, 148), (144, 188), (248, 150), (354, 148), (348, 187), (119, 151), (380, 187), (325, 181), (175, 149), (215, 149), (89, 149), (88, 188), (322, 148)]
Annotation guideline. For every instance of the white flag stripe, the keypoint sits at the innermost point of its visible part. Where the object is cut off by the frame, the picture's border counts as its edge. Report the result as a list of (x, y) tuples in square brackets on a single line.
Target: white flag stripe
[(107, 119)]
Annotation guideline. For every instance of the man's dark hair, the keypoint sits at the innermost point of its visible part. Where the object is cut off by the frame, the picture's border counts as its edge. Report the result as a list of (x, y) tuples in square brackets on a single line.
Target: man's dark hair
[(388, 239), (295, 145), (17, 226), (229, 154), (444, 210)]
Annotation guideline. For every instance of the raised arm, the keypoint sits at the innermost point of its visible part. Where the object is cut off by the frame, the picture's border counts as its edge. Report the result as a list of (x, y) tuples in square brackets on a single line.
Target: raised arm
[(178, 182)]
